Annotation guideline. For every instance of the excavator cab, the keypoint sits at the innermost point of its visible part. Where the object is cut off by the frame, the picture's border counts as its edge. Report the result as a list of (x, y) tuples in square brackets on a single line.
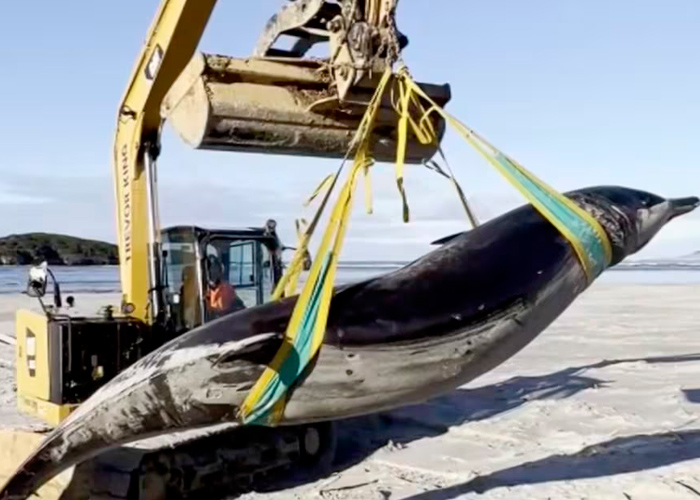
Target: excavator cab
[(64, 355), (199, 262)]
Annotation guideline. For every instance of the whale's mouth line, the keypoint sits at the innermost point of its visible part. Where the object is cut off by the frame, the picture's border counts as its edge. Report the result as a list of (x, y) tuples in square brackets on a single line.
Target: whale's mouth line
[(681, 206)]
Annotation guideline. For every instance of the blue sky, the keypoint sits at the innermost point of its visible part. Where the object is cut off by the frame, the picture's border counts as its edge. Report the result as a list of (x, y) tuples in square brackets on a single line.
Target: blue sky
[(581, 93)]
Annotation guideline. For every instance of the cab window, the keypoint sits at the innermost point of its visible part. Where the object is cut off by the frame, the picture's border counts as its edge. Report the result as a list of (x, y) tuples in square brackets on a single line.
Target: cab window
[(242, 266)]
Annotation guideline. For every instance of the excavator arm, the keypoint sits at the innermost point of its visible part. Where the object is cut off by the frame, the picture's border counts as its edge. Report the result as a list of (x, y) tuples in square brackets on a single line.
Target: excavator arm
[(170, 43), (362, 36), (275, 102)]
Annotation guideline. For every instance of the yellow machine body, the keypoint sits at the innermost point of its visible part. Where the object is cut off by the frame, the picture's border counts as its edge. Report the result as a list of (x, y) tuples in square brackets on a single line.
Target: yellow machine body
[(61, 360), (37, 368)]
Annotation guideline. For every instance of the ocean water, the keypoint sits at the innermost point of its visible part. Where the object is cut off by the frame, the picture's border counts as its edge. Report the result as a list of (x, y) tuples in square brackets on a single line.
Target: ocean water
[(105, 279)]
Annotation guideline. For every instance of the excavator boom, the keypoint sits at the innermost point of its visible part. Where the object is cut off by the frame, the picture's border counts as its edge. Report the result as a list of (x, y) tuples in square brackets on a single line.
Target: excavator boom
[(171, 41)]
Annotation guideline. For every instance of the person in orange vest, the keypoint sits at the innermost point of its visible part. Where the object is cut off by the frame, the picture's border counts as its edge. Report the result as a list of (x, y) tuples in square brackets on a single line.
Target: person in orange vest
[(221, 296)]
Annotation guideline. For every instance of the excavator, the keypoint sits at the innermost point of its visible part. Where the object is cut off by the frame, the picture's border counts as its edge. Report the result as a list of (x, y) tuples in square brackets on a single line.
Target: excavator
[(275, 101)]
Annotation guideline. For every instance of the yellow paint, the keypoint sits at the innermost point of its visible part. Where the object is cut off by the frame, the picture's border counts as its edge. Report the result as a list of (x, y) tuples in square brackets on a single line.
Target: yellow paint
[(34, 390), (36, 352), (52, 414)]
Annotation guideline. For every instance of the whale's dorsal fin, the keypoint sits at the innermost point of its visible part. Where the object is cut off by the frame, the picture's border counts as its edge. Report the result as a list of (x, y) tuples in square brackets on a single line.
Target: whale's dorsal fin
[(447, 239), (234, 349)]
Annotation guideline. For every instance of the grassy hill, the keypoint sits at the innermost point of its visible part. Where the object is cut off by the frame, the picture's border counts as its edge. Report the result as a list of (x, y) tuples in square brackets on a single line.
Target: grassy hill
[(56, 249)]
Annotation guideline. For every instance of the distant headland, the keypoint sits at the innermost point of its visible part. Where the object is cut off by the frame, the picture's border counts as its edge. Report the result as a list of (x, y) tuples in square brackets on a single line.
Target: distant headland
[(56, 250)]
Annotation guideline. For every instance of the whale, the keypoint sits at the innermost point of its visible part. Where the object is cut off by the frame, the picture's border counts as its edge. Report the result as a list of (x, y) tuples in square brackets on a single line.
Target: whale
[(401, 338)]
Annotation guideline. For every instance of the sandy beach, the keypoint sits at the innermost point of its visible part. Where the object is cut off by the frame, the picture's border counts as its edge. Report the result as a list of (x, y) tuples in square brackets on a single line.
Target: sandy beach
[(603, 405)]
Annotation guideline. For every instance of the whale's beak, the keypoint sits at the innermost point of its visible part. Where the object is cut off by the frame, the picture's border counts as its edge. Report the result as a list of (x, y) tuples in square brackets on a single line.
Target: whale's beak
[(681, 206)]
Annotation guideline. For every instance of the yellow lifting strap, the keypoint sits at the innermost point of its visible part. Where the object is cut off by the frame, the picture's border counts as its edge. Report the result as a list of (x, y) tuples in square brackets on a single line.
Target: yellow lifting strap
[(584, 233), (425, 133), (305, 332), (265, 403)]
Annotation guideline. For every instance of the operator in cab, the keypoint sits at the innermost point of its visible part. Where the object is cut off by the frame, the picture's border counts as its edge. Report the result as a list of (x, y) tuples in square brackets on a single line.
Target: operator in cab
[(221, 296)]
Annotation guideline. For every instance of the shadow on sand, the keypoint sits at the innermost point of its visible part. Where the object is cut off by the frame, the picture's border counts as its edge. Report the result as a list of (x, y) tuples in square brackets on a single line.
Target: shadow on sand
[(617, 456), (360, 437), (692, 395)]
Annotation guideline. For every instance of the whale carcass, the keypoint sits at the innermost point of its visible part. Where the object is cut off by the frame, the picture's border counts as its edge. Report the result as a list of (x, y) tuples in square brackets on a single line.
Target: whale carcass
[(398, 339)]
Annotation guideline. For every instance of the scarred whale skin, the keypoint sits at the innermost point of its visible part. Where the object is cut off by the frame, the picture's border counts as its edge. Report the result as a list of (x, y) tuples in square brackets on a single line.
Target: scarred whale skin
[(398, 339)]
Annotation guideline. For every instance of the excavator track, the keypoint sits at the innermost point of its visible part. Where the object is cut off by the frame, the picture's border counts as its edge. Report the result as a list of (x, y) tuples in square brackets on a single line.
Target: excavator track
[(222, 464)]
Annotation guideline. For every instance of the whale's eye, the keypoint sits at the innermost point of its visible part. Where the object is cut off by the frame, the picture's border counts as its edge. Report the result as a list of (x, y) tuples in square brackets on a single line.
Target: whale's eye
[(649, 200)]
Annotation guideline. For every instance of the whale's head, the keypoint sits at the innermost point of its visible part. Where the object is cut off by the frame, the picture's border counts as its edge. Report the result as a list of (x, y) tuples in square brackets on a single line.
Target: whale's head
[(631, 217)]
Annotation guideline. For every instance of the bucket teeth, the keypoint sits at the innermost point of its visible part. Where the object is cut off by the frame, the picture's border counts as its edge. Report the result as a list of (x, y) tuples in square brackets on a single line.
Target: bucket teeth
[(284, 107)]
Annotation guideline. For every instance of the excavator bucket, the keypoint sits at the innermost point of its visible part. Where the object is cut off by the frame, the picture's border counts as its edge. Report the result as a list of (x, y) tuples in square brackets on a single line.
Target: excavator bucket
[(285, 106)]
